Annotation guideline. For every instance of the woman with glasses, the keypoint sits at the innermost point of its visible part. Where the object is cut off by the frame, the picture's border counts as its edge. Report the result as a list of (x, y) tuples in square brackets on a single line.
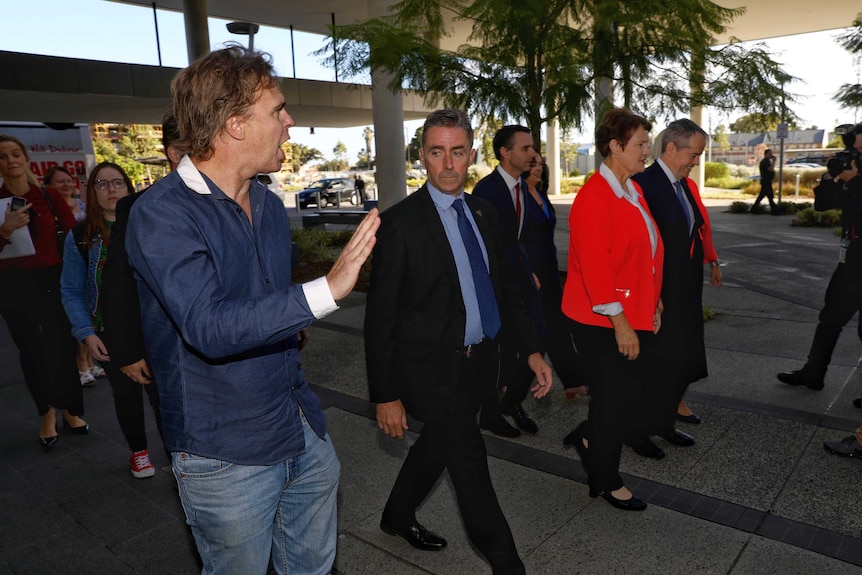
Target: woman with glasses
[(83, 261), (30, 294), (63, 181)]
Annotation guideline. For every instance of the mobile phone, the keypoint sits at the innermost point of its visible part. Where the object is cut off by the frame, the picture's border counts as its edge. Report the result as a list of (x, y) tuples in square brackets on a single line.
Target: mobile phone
[(18, 203)]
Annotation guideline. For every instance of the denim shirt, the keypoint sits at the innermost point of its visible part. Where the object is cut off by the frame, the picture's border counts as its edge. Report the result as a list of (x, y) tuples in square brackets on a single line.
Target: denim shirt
[(78, 289), (220, 316)]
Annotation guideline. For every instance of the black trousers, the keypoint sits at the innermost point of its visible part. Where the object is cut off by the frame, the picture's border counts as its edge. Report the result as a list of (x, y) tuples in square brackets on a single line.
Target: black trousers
[(765, 192), (843, 299), (626, 400), (31, 307), (454, 443), (129, 406)]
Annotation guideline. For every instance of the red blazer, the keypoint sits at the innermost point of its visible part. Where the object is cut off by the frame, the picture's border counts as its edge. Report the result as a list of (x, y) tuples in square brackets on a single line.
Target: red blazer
[(709, 253), (610, 258)]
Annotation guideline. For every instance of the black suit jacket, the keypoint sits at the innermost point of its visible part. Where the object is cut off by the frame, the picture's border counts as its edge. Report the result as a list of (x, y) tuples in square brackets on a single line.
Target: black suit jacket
[(415, 314), (681, 334), (121, 308)]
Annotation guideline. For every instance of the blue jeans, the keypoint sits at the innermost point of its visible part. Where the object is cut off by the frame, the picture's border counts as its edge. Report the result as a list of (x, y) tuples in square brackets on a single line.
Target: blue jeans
[(239, 514)]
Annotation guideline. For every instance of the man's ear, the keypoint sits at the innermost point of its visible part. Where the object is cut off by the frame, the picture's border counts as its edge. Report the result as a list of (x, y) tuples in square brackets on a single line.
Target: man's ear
[(174, 155), (235, 127)]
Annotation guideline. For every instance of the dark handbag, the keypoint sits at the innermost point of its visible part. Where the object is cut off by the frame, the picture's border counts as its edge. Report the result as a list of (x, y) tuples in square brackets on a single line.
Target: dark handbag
[(58, 229)]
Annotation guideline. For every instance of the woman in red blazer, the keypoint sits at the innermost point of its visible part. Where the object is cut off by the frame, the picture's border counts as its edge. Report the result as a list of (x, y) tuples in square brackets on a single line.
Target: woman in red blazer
[(612, 297)]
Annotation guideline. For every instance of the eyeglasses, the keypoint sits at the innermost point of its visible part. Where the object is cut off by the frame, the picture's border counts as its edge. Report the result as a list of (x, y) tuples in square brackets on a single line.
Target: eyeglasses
[(102, 185)]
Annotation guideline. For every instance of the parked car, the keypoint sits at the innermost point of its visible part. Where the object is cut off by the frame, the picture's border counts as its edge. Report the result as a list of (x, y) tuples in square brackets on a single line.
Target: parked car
[(328, 190)]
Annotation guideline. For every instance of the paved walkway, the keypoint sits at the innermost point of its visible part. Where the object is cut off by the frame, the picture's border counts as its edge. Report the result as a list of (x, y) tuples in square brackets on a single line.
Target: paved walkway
[(756, 495)]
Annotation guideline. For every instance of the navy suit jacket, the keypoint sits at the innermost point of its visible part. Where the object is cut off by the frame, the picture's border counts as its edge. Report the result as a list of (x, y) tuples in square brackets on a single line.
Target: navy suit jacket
[(681, 334)]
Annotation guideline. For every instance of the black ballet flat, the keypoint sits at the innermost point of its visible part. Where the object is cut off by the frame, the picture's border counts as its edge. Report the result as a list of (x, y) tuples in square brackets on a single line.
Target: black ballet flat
[(80, 430), (633, 504), (48, 442)]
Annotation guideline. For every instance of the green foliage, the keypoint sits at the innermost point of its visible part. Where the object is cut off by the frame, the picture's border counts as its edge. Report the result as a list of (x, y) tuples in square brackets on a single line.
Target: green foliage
[(739, 207), (475, 173), (715, 170), (298, 155), (708, 314), (809, 217), (316, 245), (588, 175), (535, 61), (725, 183), (569, 186), (574, 173), (758, 209), (850, 95), (759, 122), (106, 152)]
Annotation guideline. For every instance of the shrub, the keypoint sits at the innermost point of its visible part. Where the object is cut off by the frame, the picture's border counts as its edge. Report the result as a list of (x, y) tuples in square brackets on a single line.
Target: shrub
[(475, 173), (574, 173), (726, 183), (715, 170), (568, 186), (708, 314), (809, 217), (588, 175), (739, 207), (317, 245), (758, 209)]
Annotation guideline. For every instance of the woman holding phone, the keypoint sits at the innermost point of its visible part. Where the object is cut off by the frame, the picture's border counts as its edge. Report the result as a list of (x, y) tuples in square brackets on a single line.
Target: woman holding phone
[(30, 295)]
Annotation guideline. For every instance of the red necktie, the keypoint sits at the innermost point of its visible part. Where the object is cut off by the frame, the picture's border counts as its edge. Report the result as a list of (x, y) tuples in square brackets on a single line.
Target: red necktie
[(518, 202)]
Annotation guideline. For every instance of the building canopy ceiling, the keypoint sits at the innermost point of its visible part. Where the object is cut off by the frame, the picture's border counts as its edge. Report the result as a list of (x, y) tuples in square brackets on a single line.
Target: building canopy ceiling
[(762, 19)]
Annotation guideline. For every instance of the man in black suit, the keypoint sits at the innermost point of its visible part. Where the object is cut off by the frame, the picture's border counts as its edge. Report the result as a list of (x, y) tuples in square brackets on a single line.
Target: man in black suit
[(680, 344), (430, 341), (505, 190), (767, 174)]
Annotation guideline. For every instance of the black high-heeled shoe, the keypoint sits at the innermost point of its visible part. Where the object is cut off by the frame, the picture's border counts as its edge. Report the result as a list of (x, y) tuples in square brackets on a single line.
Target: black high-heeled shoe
[(47, 442), (632, 504), (80, 430)]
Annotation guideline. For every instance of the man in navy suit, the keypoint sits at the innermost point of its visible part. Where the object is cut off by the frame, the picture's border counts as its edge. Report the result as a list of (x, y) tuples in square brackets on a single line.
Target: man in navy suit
[(504, 189), (428, 349), (673, 200)]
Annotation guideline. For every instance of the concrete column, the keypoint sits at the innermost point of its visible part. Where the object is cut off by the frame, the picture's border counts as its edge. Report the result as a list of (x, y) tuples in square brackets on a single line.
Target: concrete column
[(197, 33), (552, 135), (388, 113)]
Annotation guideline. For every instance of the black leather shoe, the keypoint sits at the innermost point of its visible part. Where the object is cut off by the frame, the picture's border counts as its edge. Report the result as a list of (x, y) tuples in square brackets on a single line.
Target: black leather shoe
[(797, 378), (646, 448), (417, 536), (522, 420), (500, 427), (48, 441), (678, 438), (632, 504), (693, 418), (80, 430), (857, 403)]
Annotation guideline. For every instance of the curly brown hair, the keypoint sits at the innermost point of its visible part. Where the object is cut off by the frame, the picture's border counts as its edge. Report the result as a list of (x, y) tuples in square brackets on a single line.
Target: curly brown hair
[(215, 87), (94, 223)]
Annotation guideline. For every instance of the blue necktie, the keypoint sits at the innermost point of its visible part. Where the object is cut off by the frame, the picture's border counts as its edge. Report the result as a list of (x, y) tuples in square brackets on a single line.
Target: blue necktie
[(680, 195), (481, 278)]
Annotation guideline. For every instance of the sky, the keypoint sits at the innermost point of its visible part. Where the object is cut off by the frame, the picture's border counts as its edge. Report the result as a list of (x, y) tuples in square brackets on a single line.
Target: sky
[(112, 31)]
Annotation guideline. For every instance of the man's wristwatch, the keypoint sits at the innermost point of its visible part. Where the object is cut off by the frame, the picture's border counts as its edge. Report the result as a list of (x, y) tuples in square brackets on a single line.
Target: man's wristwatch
[(714, 263)]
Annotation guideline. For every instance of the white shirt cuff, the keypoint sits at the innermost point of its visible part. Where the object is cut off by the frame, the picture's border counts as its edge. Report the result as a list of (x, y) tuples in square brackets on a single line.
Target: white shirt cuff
[(319, 297), (608, 308)]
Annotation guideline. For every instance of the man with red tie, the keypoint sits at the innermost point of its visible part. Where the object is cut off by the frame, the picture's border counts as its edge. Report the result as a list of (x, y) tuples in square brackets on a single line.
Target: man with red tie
[(504, 188)]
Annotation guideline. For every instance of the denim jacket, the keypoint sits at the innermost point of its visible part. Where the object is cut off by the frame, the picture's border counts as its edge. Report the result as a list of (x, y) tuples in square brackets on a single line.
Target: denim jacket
[(78, 288)]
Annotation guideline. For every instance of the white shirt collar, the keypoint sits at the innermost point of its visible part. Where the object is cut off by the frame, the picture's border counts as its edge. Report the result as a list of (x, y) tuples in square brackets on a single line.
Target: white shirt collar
[(192, 177), (630, 192), (510, 181), (670, 175)]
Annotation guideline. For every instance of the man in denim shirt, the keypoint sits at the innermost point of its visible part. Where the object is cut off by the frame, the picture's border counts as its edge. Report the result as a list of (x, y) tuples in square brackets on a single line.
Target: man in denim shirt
[(211, 249)]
